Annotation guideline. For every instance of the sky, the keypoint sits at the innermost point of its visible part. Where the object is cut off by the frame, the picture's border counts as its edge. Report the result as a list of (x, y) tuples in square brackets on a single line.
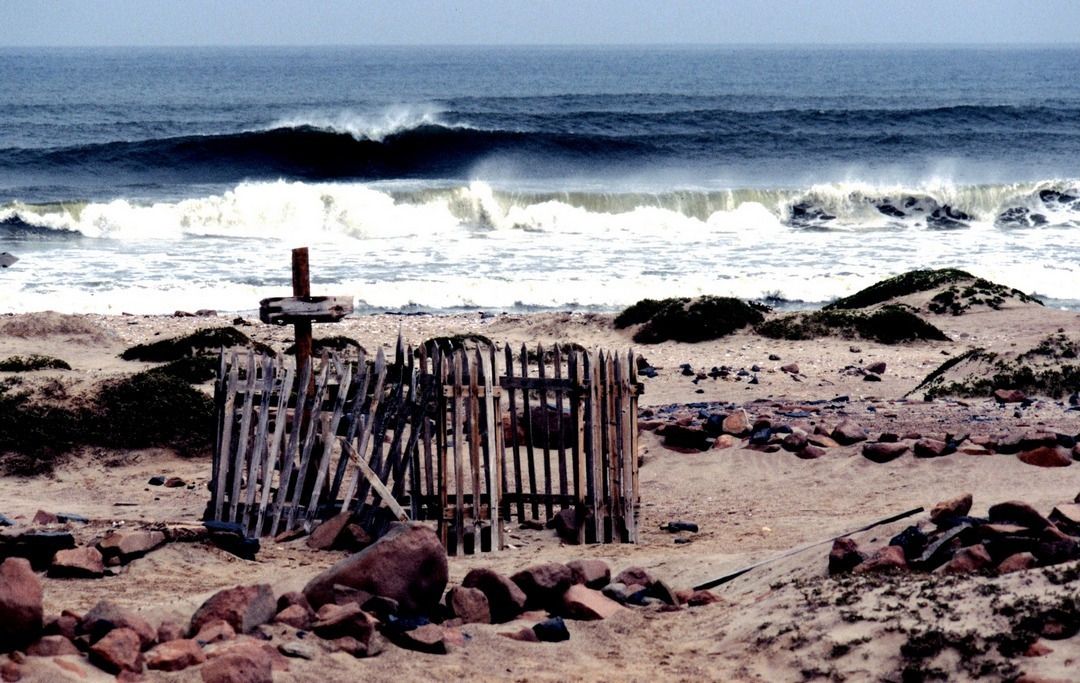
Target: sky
[(536, 22)]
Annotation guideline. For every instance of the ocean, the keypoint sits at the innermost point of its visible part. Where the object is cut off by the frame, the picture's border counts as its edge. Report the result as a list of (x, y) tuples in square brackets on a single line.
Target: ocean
[(445, 179)]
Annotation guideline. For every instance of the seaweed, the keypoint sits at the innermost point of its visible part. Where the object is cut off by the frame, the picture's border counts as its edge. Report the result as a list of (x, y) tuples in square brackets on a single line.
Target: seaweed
[(204, 341), (31, 363), (911, 282), (888, 325), (695, 320)]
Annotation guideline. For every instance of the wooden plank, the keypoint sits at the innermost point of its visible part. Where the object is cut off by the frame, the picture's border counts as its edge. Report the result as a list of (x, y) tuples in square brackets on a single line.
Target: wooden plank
[(492, 431), (577, 446), (414, 467), (329, 439), (457, 417), (362, 380), (382, 420), (501, 448), (620, 531), (596, 455), (219, 412), (440, 445), (242, 440), (473, 407), (288, 310), (603, 488), (560, 428), (225, 449), (258, 452), (280, 419), (369, 425), (529, 431), (518, 488), (613, 501), (375, 483), (630, 436), (429, 468), (288, 458), (314, 422), (541, 373)]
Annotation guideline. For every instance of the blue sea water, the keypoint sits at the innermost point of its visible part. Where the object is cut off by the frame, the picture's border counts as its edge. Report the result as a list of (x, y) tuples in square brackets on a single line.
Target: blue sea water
[(148, 180)]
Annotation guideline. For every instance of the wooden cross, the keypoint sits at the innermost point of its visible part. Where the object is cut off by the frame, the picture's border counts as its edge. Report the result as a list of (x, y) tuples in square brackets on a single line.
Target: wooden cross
[(301, 309)]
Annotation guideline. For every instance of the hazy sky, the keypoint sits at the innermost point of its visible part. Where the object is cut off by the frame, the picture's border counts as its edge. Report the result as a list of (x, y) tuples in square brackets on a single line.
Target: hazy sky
[(512, 22)]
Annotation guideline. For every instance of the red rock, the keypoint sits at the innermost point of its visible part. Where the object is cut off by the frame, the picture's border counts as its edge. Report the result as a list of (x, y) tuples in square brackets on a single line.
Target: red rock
[(888, 558), (52, 646), (1018, 512), (295, 616), (246, 666), (130, 545), (174, 483), (10, 672), (790, 368), (584, 603), (811, 452), (505, 599), (700, 598), (592, 573), (77, 563), (883, 452), (1038, 649), (724, 441), (243, 607), (407, 564), (635, 575), (1046, 456), (525, 635), (106, 614), (247, 645), (336, 621), (1009, 395), (930, 448), (848, 432), (737, 423), (844, 556), (326, 534), (968, 560), (822, 441), (429, 638), (174, 655), (470, 604), (975, 449), (1067, 516), (795, 441), (544, 584), (215, 631), (1017, 562), (67, 625), (169, 630), (954, 507), (21, 612), (118, 650), (42, 517)]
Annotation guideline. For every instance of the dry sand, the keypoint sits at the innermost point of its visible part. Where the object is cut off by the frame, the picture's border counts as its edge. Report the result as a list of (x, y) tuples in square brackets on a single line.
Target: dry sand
[(787, 621)]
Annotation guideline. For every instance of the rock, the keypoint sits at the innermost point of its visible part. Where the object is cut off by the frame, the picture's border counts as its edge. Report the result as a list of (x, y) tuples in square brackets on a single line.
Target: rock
[(298, 649), (1009, 396), (551, 631), (931, 448), (848, 432), (293, 598), (1057, 552), (1046, 456), (968, 560), (10, 672), (700, 598), (118, 650), (795, 441), (469, 604), (334, 621), (888, 558), (175, 483), (21, 612), (952, 508), (157, 480), (811, 452), (215, 631), (130, 545), (1016, 563), (620, 592), (790, 368), (1037, 649), (1067, 517), (567, 523), (77, 563), (676, 526), (41, 517), (689, 437), (37, 545), (52, 646), (169, 630), (883, 452), (737, 423), (407, 564), (1018, 512), (429, 638), (912, 541), (584, 603), (635, 575), (871, 377), (544, 584), (877, 368), (592, 573), (844, 556), (242, 607), (663, 592), (247, 665), (822, 441), (326, 534), (505, 599), (296, 616), (174, 655), (105, 615), (724, 441)]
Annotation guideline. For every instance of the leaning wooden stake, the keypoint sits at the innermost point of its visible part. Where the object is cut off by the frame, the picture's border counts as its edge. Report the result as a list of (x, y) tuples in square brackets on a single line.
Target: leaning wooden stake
[(795, 551)]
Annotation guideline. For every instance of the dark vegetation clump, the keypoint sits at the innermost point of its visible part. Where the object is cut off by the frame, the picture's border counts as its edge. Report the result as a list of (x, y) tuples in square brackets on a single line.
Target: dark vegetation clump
[(981, 292), (911, 282), (32, 434), (1038, 371), (31, 363), (201, 342), (688, 320), (192, 369), (334, 343), (888, 325)]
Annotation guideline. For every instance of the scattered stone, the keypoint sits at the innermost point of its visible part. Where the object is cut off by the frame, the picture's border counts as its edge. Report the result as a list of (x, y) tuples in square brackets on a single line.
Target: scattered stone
[(912, 541), (724, 441), (790, 368), (169, 630), (106, 615), (1046, 456), (1037, 649), (118, 650), (822, 441), (1016, 563), (1019, 513), (844, 556), (156, 480), (686, 437), (950, 509), (21, 612), (635, 576), (567, 523), (883, 452), (326, 534), (737, 423), (699, 598), (677, 526), (243, 607), (247, 665), (215, 631), (1009, 396), (175, 483), (296, 616), (469, 604), (298, 649), (888, 558), (336, 621), (931, 448), (968, 560), (505, 599), (429, 638), (877, 368), (1067, 517), (591, 573), (584, 603), (544, 584), (811, 452), (52, 646), (77, 563), (130, 545), (174, 655), (551, 630), (871, 377), (41, 517), (795, 441), (848, 432)]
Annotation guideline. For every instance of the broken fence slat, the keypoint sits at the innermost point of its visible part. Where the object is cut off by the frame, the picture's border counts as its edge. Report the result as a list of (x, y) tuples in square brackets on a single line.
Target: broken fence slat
[(225, 449), (276, 442), (377, 484)]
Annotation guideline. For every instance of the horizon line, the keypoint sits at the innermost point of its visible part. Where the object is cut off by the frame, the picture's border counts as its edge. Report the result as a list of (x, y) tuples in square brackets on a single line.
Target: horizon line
[(736, 45)]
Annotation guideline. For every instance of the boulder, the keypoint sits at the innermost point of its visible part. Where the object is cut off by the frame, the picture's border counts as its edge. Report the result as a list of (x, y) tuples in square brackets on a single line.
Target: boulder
[(469, 604), (877, 368), (1046, 456), (505, 599), (1018, 512), (811, 452), (247, 665), (551, 630), (584, 603), (105, 615), (130, 545), (21, 612), (1016, 563), (931, 448), (408, 564), (326, 534), (428, 638), (335, 621), (242, 607), (688, 437), (174, 655), (215, 631), (790, 368), (635, 576), (795, 441), (737, 423), (77, 563), (1067, 517), (52, 646), (169, 630), (1009, 396), (888, 558), (544, 584), (968, 560), (951, 509), (294, 615), (844, 556), (883, 452), (591, 573), (118, 650), (848, 432)]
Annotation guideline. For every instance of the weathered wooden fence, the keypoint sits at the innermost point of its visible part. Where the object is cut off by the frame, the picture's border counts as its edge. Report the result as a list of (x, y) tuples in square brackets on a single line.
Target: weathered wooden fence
[(437, 434)]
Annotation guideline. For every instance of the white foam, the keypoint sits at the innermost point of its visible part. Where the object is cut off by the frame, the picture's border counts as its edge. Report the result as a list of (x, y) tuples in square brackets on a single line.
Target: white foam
[(376, 125)]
